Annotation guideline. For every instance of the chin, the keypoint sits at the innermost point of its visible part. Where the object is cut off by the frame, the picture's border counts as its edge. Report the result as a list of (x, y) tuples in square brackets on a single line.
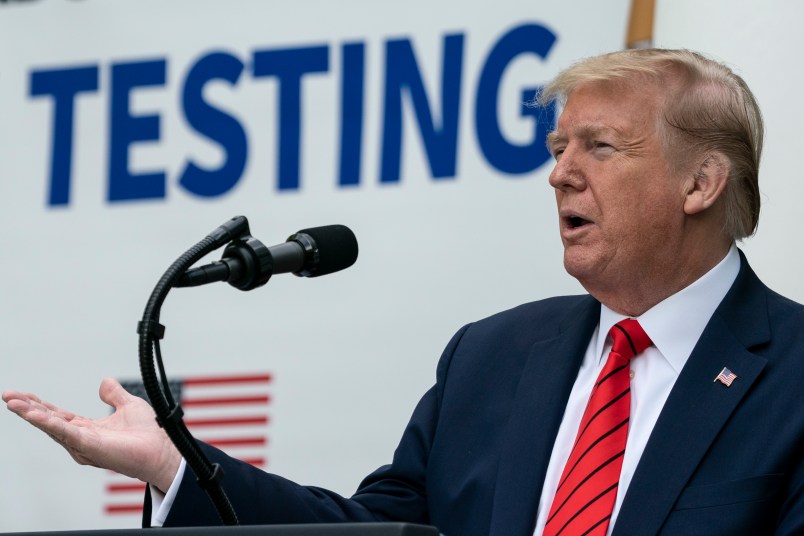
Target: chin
[(581, 267)]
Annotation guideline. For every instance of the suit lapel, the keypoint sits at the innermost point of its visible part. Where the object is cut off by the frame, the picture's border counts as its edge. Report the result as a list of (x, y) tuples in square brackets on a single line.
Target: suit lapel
[(538, 408), (697, 407)]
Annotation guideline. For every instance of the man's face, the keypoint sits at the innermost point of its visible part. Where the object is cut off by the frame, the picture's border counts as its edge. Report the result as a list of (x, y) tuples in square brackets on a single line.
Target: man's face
[(620, 207)]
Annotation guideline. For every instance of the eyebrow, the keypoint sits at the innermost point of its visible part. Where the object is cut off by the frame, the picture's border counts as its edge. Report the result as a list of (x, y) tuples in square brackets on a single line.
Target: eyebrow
[(554, 138), (583, 131)]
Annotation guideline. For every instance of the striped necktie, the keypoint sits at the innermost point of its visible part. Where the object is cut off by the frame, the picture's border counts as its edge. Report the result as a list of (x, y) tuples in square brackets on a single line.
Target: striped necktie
[(588, 486)]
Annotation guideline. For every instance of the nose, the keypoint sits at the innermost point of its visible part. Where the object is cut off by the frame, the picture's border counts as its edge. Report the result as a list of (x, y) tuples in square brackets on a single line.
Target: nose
[(568, 174)]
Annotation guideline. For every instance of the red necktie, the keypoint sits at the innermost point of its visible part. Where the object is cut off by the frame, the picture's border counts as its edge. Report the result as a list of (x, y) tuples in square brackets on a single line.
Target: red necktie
[(588, 487)]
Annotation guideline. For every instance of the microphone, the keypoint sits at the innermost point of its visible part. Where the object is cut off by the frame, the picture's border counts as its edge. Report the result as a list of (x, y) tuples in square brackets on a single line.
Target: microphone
[(247, 264)]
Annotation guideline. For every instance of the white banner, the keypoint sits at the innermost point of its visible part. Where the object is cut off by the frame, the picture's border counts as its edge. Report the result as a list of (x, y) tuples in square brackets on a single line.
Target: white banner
[(132, 129)]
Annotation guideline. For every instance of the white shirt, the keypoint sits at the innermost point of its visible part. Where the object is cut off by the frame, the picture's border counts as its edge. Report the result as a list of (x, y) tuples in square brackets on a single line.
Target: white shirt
[(674, 325), (161, 502)]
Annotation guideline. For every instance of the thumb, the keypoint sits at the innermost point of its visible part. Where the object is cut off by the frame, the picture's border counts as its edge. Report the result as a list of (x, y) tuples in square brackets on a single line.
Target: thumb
[(112, 393)]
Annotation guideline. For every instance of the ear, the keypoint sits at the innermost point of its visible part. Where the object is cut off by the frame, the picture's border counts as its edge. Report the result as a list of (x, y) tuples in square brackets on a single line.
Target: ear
[(707, 184)]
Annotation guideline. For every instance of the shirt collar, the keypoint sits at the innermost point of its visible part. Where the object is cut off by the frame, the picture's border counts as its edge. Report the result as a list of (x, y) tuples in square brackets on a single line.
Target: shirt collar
[(676, 323)]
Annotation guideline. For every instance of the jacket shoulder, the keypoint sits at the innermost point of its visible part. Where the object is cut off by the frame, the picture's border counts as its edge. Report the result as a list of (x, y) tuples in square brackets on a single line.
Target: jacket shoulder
[(509, 335), (543, 316)]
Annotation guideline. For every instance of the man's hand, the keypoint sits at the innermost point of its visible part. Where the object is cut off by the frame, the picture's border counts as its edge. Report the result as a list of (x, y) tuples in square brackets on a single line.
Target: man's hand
[(129, 441)]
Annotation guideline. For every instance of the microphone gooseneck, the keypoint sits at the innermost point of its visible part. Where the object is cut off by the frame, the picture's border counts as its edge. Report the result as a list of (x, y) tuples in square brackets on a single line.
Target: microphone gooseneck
[(246, 264)]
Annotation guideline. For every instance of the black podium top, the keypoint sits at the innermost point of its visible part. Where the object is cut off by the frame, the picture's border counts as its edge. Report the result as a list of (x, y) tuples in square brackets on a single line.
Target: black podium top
[(334, 529)]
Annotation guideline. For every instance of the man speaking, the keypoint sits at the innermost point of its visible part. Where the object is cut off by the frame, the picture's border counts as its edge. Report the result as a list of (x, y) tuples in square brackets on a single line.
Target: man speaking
[(666, 401)]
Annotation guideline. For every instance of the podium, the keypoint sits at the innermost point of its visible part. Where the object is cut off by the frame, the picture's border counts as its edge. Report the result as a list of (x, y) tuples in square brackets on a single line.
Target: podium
[(325, 529)]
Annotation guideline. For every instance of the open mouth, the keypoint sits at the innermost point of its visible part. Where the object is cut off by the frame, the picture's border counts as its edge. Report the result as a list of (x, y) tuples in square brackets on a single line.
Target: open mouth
[(576, 221)]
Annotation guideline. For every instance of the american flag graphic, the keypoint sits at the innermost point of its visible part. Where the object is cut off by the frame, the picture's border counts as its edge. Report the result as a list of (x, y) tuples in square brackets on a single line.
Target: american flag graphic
[(726, 377), (227, 411)]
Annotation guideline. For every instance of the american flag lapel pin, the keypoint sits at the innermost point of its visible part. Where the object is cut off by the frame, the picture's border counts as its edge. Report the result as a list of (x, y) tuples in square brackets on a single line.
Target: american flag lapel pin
[(726, 377)]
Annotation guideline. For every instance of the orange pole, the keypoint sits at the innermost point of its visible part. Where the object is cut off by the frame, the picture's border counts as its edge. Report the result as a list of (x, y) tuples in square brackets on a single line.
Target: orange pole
[(640, 24)]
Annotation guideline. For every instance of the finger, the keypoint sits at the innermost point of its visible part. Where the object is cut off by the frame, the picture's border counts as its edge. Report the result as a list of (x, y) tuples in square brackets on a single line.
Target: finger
[(16, 395), (17, 405), (113, 393), (25, 406), (69, 415), (16, 402), (30, 397), (52, 423)]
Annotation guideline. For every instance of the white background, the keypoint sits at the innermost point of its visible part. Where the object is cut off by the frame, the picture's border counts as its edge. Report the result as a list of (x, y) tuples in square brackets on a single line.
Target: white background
[(352, 352)]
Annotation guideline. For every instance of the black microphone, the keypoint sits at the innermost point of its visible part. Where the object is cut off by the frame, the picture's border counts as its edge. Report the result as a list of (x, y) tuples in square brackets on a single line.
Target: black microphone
[(247, 264)]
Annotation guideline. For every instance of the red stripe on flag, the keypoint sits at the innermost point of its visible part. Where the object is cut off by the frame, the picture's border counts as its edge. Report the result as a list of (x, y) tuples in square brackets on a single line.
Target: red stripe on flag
[(216, 380), (123, 508), (124, 488), (223, 401), (236, 441), (226, 421), (256, 462)]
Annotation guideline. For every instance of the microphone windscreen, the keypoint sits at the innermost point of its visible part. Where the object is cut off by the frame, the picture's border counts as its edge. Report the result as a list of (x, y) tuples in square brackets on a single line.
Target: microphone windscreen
[(337, 248)]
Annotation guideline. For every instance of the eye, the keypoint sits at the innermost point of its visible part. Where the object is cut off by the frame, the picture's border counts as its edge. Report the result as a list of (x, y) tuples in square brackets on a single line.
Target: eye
[(557, 152), (597, 144)]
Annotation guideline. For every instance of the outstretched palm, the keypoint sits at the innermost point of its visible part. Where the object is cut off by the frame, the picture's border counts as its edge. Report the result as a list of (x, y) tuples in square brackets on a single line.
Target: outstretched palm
[(128, 441)]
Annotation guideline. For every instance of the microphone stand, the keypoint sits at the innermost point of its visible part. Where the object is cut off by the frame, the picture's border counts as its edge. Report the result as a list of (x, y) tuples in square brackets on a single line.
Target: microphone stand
[(168, 412)]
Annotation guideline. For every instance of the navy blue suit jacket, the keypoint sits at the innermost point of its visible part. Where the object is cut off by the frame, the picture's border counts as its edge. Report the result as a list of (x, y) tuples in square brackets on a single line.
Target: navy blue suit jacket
[(472, 460)]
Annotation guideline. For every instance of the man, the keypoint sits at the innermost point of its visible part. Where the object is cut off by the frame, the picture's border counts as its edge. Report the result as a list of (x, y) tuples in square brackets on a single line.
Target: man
[(657, 155)]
